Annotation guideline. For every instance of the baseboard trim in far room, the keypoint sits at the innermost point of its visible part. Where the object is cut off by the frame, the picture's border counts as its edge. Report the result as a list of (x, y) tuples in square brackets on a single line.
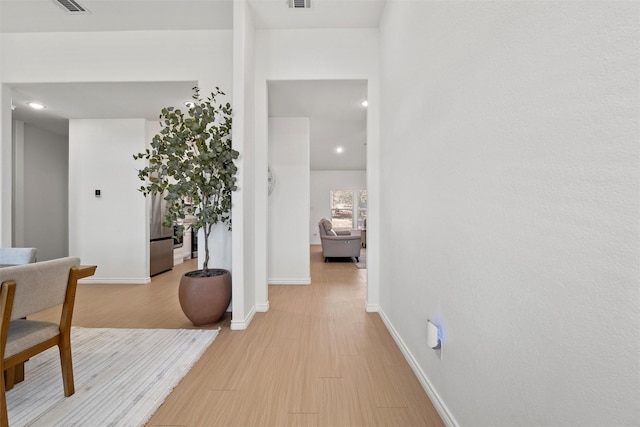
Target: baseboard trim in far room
[(445, 414), (301, 281), (117, 281)]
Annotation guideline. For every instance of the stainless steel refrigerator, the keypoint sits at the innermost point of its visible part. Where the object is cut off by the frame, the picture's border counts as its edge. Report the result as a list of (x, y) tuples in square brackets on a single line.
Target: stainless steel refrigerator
[(161, 246)]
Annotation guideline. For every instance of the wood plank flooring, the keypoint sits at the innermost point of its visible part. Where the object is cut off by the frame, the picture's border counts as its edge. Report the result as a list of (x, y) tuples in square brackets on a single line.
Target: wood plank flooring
[(315, 359)]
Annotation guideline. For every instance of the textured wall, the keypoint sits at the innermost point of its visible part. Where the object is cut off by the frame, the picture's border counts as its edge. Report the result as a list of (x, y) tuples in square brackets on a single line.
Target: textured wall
[(510, 140), (109, 231), (45, 178), (288, 250)]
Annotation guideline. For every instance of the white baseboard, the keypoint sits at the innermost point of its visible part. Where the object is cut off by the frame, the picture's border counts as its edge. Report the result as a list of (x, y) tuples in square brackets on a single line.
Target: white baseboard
[(262, 308), (443, 411), (289, 281), (241, 325), (372, 308), (117, 281)]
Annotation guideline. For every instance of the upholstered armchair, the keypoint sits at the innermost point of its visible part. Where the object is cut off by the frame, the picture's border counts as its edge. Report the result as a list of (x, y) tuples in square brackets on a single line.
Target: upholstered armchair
[(338, 243)]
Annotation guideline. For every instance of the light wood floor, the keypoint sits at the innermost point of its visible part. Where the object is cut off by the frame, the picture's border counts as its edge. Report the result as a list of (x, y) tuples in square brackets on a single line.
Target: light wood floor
[(315, 359)]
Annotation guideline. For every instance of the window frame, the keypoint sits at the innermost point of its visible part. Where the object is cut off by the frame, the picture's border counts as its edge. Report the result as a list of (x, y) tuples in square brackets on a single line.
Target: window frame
[(358, 211)]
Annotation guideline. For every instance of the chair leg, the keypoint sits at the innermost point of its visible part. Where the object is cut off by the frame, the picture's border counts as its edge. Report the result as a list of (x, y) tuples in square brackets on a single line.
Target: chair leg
[(67, 366), (326, 259), (9, 378), (4, 417), (19, 372)]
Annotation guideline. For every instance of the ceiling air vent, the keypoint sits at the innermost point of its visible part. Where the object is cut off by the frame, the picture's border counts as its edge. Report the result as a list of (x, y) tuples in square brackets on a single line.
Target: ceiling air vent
[(300, 4), (71, 6)]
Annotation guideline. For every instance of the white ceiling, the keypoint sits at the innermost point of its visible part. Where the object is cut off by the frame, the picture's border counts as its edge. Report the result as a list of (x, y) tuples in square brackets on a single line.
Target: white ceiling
[(20, 16), (66, 101), (272, 14), (122, 15), (337, 118), (333, 106)]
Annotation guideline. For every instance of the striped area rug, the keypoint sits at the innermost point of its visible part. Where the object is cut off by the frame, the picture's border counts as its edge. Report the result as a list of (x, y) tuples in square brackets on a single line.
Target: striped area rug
[(121, 377)]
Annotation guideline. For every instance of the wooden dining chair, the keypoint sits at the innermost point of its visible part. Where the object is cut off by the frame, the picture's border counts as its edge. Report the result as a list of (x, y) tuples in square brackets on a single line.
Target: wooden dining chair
[(28, 289)]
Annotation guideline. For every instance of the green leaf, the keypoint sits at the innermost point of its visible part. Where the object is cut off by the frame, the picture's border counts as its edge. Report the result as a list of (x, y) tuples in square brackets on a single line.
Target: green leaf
[(192, 157)]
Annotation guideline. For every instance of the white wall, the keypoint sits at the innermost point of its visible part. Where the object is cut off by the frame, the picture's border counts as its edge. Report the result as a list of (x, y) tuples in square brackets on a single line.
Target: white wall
[(6, 168), (288, 247), (109, 231), (17, 184), (119, 56), (244, 300), (314, 54), (511, 143), (322, 182), (41, 192)]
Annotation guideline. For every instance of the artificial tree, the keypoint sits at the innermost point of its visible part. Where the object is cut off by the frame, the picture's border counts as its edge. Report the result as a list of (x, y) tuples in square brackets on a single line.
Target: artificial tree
[(191, 163)]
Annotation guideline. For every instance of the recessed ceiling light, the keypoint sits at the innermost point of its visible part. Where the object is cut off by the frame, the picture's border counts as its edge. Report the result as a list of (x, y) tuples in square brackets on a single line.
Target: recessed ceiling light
[(339, 150), (364, 103), (36, 105)]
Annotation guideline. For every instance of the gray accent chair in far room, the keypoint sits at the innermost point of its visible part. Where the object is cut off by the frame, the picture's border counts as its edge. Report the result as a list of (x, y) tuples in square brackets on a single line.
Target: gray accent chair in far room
[(16, 256), (338, 244)]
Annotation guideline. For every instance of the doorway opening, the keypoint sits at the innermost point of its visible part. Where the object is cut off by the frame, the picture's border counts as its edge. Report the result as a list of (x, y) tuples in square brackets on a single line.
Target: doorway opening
[(336, 115)]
